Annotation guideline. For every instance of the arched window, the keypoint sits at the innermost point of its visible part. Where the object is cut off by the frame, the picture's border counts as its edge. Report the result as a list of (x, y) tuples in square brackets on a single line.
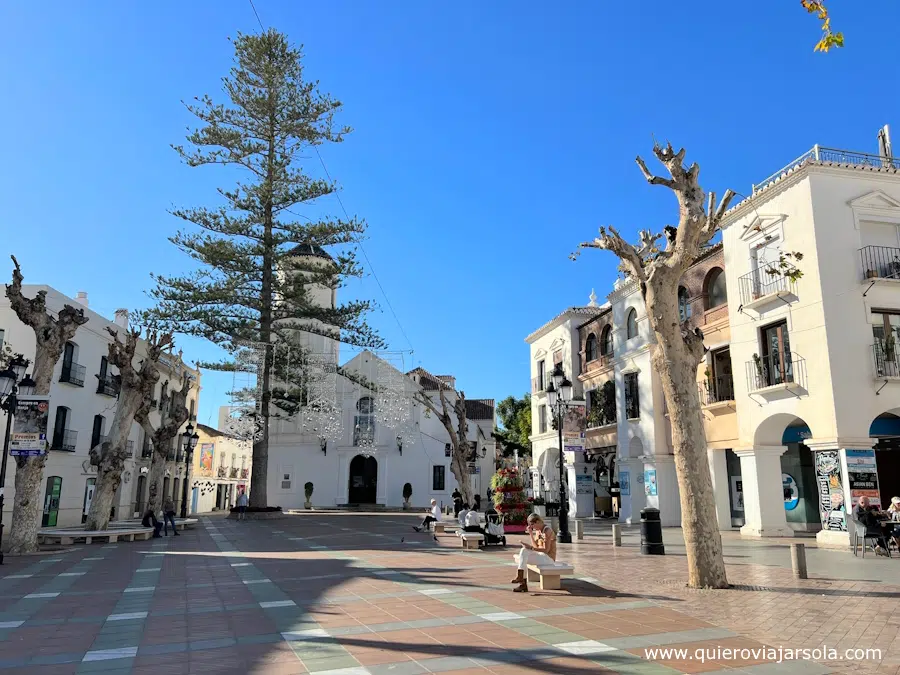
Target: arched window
[(684, 304), (716, 294), (631, 327), (606, 342), (590, 348), (364, 424)]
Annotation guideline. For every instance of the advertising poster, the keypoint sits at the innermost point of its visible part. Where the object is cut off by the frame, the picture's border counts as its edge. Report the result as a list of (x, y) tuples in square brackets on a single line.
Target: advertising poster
[(863, 476), (584, 484), (29, 432), (650, 488), (831, 492), (791, 492), (206, 459), (737, 493), (624, 483), (574, 425)]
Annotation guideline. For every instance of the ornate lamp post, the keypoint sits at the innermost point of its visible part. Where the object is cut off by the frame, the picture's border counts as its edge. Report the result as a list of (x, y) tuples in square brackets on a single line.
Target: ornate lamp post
[(189, 439), (9, 393), (559, 393)]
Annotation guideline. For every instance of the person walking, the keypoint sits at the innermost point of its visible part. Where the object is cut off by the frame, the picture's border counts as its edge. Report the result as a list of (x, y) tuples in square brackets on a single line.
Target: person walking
[(169, 516), (242, 502)]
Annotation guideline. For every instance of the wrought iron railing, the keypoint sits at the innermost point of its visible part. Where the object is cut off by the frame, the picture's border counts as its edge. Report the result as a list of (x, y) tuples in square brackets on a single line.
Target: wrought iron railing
[(245, 473), (717, 390), (538, 384), (601, 361), (106, 385), (73, 373), (129, 448), (767, 280), (233, 473), (776, 369), (65, 440), (830, 156), (880, 262), (886, 362), (221, 472)]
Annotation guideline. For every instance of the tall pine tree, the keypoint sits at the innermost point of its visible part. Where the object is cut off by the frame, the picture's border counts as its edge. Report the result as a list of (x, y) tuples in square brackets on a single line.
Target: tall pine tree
[(253, 287)]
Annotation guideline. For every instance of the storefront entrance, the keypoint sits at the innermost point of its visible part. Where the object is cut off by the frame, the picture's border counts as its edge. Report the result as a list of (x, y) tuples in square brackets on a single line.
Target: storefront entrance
[(363, 480)]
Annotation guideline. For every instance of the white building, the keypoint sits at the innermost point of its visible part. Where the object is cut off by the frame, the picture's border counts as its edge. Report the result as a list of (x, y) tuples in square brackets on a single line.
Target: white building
[(818, 396), (82, 406), (556, 344), (222, 465)]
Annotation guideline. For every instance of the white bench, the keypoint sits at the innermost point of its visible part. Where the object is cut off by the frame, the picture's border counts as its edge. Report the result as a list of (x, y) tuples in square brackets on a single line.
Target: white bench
[(180, 523), (438, 528), (549, 575), (471, 540), (68, 537)]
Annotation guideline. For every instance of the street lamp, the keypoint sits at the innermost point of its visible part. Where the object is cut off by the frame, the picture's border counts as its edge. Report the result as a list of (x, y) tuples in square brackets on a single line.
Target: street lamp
[(189, 439), (559, 393), (9, 393)]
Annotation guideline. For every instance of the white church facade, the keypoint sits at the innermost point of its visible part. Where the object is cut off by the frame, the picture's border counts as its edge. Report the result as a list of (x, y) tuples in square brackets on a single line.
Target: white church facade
[(370, 441)]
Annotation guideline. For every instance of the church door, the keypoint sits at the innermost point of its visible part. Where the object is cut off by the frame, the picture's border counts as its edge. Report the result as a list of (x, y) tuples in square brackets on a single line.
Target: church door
[(363, 480)]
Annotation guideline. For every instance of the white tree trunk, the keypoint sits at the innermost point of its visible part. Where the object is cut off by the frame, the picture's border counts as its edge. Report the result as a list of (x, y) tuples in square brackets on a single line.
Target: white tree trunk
[(111, 455)]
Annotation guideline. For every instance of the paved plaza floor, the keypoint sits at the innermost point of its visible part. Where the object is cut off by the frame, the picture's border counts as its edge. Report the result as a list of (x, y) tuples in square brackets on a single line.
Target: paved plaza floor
[(353, 594)]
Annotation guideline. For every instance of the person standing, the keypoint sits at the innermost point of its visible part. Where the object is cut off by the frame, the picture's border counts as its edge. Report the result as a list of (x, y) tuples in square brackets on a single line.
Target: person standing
[(457, 502), (169, 516), (242, 502)]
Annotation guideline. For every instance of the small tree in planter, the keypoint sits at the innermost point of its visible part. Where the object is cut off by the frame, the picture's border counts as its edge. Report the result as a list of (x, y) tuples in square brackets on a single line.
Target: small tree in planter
[(407, 493), (308, 490), (510, 500)]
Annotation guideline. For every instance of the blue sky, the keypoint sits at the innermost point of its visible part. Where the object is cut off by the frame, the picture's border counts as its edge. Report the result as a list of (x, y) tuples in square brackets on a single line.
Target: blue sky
[(490, 138)]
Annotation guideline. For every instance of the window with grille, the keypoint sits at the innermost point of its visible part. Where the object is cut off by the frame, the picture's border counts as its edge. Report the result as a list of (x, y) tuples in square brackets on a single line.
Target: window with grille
[(632, 397)]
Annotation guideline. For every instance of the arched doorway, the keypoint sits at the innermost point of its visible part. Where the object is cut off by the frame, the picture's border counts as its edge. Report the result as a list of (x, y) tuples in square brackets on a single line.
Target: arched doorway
[(363, 480)]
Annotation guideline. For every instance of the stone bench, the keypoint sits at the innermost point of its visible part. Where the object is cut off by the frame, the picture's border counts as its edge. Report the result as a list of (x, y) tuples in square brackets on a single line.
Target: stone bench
[(68, 537), (471, 540), (549, 575), (180, 523), (438, 528)]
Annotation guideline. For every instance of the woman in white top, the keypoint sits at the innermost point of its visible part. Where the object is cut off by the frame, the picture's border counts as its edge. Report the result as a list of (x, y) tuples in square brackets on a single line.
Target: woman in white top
[(894, 512), (541, 550), (433, 517)]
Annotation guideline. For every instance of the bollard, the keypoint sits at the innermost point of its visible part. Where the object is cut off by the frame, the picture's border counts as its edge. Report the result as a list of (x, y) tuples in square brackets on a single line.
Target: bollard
[(651, 533), (617, 535), (579, 529), (798, 560)]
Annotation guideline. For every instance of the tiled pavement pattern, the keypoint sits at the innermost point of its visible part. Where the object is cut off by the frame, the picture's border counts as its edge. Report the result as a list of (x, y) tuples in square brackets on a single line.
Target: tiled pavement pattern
[(356, 595)]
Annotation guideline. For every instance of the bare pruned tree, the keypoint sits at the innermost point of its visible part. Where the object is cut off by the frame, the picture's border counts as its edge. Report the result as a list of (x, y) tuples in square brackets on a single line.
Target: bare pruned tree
[(452, 415), (677, 352), (50, 336)]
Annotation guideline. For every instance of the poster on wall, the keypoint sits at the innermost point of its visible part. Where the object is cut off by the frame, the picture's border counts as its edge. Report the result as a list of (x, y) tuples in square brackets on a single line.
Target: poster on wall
[(574, 426), (206, 459), (650, 488), (584, 484), (831, 492), (624, 483), (863, 477), (29, 432), (737, 493), (791, 492)]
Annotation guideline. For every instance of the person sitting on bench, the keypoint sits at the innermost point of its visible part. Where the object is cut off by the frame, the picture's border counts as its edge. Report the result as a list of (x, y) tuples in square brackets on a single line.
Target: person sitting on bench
[(473, 522), (541, 550), (150, 520), (433, 517)]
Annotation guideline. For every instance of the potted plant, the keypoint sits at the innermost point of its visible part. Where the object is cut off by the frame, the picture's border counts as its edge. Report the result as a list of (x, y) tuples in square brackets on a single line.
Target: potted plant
[(407, 493), (308, 491), (760, 373), (871, 274)]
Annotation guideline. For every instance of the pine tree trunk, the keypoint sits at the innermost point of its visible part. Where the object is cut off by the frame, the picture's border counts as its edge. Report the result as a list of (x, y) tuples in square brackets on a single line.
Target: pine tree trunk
[(676, 365), (112, 460)]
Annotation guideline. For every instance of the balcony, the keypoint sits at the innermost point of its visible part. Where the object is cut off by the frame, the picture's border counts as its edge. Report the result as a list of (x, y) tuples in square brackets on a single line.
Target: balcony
[(601, 363), (880, 262), (65, 441), (887, 365), (222, 472), (774, 374), (72, 373), (245, 473), (107, 386), (768, 284), (717, 390), (129, 449), (233, 472), (539, 385)]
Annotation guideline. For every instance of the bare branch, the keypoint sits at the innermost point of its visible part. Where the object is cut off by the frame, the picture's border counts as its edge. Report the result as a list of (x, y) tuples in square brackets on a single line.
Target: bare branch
[(614, 242), (653, 180)]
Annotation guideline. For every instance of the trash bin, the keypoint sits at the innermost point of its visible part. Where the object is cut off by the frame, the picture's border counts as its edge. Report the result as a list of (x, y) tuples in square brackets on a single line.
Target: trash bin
[(651, 533)]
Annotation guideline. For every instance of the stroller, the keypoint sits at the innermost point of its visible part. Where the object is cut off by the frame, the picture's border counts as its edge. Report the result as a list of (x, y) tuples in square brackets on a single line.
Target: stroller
[(493, 530)]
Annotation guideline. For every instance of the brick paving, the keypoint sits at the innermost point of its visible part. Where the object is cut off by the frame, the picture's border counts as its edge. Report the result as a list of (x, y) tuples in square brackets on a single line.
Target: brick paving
[(349, 594)]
